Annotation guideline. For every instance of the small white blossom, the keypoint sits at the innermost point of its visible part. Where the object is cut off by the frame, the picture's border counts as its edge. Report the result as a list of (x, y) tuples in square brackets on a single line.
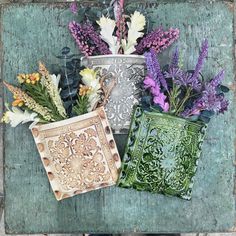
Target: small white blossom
[(136, 24), (56, 79), (107, 26), (16, 116)]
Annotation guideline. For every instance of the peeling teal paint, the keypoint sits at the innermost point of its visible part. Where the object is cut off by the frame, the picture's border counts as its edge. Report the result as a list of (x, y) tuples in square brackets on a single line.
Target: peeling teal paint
[(37, 31)]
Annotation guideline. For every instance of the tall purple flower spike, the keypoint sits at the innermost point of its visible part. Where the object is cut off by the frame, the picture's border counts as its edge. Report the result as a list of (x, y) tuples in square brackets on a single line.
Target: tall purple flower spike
[(175, 59), (158, 39), (201, 58), (88, 39), (186, 78), (154, 68)]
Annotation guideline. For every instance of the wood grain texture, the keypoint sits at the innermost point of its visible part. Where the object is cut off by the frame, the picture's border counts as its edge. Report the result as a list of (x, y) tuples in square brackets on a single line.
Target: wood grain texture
[(35, 32)]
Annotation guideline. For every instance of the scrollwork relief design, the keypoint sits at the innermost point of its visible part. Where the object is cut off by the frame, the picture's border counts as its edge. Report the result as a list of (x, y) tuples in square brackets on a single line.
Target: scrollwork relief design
[(163, 159), (129, 73), (78, 161)]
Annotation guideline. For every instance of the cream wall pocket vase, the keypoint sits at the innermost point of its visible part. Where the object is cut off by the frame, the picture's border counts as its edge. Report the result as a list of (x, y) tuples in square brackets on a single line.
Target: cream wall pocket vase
[(79, 154)]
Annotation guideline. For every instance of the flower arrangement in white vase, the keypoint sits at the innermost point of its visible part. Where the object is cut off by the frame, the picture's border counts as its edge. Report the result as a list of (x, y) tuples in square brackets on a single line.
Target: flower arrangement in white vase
[(117, 46)]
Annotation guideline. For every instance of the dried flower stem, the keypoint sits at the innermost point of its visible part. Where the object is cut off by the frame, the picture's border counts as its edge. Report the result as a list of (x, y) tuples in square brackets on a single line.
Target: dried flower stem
[(30, 102), (52, 90)]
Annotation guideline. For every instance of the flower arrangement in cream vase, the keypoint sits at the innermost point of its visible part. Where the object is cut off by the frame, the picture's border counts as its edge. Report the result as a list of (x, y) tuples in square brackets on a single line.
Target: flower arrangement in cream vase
[(78, 153)]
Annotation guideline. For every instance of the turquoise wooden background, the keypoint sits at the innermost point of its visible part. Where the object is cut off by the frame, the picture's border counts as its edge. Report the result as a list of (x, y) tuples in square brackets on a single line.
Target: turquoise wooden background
[(33, 32)]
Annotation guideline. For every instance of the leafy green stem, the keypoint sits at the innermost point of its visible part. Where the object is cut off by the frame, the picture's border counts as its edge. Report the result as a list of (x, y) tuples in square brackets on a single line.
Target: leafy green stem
[(185, 99)]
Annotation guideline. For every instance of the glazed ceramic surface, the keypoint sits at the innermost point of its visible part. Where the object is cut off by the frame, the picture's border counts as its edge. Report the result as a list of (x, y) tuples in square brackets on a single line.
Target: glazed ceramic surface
[(128, 71), (79, 154), (161, 154)]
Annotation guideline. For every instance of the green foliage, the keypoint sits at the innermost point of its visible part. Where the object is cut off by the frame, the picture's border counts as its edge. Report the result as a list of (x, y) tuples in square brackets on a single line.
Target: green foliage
[(81, 106), (70, 78), (40, 94)]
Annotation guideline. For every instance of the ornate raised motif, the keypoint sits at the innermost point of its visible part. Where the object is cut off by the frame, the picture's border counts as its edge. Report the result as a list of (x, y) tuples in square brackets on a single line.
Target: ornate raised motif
[(78, 155), (162, 153), (129, 72)]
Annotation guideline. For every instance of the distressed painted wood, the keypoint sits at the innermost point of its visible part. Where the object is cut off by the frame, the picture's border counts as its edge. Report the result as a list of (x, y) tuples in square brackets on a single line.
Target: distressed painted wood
[(35, 32)]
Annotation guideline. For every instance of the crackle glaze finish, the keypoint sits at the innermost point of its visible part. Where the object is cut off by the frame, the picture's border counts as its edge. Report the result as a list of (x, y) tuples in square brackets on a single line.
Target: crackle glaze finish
[(161, 154), (128, 71), (78, 154)]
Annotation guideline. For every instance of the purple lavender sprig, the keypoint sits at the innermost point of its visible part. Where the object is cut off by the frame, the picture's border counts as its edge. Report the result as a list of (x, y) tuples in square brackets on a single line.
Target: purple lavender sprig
[(154, 68), (199, 66), (74, 7), (210, 99), (215, 82), (158, 40), (175, 59), (159, 98), (88, 39), (188, 95), (182, 78)]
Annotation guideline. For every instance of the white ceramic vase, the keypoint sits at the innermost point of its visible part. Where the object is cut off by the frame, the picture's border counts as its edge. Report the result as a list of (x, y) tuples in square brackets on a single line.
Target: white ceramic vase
[(128, 71)]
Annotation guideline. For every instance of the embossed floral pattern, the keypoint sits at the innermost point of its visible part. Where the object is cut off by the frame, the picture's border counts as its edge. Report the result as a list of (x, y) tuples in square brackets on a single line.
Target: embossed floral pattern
[(79, 154), (78, 160), (162, 154)]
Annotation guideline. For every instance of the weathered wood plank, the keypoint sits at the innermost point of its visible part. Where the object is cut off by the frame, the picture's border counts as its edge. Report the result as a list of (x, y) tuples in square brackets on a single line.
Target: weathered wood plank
[(36, 32)]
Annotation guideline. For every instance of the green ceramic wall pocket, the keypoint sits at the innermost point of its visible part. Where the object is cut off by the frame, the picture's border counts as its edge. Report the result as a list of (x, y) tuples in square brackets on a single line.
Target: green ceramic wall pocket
[(162, 153), (168, 129)]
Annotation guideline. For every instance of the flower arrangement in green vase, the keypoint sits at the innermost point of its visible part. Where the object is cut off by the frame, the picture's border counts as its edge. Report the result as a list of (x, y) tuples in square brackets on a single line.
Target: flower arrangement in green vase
[(168, 127)]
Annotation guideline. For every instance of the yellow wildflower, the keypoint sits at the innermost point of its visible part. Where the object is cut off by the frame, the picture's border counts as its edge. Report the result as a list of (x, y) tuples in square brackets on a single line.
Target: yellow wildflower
[(88, 76), (37, 76), (28, 78), (84, 90), (21, 78), (17, 102)]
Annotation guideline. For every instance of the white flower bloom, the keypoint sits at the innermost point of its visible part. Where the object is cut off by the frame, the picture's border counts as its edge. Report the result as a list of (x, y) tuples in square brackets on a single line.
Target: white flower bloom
[(138, 21), (56, 79), (94, 98), (136, 24), (89, 78), (107, 26), (17, 116)]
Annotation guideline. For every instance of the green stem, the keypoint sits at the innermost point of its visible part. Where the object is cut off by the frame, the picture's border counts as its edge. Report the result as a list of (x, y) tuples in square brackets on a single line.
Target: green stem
[(173, 95), (188, 92)]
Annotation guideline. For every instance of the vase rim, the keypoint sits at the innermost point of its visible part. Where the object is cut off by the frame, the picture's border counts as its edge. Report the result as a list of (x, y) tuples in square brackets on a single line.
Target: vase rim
[(68, 121), (115, 55), (181, 119)]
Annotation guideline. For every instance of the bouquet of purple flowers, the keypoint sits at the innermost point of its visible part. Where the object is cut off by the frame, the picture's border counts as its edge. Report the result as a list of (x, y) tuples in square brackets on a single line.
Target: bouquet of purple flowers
[(183, 93), (125, 34)]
